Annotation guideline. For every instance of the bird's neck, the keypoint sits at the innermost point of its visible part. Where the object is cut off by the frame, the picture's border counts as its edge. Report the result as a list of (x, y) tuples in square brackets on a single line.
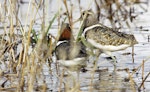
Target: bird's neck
[(90, 21)]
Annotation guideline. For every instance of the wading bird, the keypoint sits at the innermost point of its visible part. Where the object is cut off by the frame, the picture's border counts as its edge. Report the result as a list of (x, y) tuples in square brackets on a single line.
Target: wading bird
[(69, 53), (102, 37)]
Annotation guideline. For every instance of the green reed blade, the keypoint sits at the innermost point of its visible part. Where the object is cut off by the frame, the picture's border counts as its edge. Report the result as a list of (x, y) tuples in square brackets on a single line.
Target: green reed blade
[(51, 22)]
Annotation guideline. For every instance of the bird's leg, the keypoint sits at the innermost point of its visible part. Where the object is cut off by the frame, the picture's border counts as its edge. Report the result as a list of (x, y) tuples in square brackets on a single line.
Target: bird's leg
[(71, 75), (114, 59), (75, 78), (97, 53)]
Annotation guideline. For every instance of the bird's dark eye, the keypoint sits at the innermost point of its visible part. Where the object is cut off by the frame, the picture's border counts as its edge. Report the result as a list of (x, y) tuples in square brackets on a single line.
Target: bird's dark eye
[(83, 13)]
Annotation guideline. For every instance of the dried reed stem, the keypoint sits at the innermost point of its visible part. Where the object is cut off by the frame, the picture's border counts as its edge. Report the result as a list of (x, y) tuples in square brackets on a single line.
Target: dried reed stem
[(143, 72), (143, 81)]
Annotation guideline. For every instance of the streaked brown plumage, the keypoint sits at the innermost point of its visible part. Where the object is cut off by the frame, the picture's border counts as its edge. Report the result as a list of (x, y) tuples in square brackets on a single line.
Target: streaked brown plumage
[(102, 37)]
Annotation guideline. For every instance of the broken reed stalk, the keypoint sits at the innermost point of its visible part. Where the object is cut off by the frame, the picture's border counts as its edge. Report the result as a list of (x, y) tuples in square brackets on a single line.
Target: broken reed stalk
[(146, 60), (143, 72), (132, 54), (143, 81)]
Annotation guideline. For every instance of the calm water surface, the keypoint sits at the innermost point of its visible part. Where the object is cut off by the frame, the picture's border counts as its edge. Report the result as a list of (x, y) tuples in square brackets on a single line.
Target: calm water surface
[(104, 79)]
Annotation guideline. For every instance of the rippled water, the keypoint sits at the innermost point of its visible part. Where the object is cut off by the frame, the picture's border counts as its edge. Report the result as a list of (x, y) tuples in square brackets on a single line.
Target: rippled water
[(104, 79)]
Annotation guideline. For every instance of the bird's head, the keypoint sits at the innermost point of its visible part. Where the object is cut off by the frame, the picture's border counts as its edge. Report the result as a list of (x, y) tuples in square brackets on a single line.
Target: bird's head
[(65, 32), (88, 17)]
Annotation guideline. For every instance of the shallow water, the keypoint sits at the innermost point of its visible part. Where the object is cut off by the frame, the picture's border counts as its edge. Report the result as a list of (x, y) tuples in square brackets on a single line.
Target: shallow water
[(104, 79)]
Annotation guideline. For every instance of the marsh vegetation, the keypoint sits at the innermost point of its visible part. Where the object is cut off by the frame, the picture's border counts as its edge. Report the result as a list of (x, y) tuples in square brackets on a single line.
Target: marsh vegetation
[(29, 32)]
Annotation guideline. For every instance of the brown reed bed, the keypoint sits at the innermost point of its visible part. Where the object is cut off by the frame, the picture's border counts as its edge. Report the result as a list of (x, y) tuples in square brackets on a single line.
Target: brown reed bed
[(24, 51)]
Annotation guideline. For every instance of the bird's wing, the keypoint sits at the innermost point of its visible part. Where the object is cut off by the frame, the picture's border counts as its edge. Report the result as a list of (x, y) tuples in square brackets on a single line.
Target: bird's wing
[(107, 36)]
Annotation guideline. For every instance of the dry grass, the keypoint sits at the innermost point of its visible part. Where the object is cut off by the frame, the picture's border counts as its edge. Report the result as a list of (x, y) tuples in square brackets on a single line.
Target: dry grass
[(24, 51)]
